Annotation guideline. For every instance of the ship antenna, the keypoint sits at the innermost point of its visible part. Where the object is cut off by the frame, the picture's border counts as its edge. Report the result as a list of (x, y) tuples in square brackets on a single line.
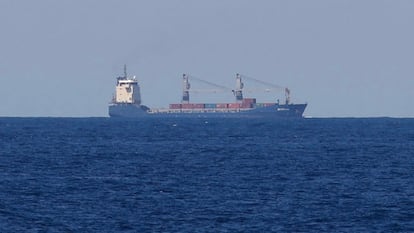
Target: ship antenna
[(125, 71)]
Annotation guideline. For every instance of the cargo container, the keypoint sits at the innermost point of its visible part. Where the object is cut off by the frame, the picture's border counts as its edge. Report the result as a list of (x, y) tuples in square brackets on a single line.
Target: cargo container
[(249, 101), (234, 105), (246, 105), (221, 105), (210, 105), (268, 104), (198, 106), (175, 106), (187, 106)]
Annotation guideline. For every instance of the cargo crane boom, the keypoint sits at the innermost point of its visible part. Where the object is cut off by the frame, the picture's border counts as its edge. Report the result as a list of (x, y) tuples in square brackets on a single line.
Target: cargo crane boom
[(187, 90), (274, 87), (267, 84), (219, 87)]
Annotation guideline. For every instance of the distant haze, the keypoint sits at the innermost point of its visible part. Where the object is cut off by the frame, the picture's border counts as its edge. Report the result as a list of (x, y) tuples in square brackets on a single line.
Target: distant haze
[(344, 58)]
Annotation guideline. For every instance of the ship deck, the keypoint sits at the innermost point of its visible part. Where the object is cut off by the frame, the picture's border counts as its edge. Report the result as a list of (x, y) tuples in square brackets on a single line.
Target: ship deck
[(197, 110)]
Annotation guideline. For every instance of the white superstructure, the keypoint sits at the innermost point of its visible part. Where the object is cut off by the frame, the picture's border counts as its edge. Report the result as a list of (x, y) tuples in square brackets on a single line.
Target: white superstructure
[(127, 90)]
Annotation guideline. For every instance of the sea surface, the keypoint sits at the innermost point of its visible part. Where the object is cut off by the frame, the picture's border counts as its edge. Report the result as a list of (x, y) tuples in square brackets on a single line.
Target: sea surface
[(206, 175)]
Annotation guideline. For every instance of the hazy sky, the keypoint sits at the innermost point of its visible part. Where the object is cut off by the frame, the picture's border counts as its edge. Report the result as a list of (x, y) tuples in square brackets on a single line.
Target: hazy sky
[(345, 58)]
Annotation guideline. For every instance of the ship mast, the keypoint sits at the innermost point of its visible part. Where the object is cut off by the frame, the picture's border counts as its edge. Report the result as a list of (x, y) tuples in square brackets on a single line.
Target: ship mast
[(125, 71)]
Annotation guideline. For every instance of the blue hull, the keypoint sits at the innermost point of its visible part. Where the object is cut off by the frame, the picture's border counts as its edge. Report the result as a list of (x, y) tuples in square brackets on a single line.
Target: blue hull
[(128, 110), (273, 111)]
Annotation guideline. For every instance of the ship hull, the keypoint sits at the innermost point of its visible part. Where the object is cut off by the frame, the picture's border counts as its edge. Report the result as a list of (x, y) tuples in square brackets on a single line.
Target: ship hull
[(128, 110), (272, 111)]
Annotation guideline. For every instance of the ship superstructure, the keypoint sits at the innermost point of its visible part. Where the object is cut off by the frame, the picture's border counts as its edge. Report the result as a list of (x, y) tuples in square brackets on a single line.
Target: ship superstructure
[(127, 103), (127, 90)]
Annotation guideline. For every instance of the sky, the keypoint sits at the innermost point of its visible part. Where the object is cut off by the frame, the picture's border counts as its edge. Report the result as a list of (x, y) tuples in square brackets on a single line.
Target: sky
[(344, 58)]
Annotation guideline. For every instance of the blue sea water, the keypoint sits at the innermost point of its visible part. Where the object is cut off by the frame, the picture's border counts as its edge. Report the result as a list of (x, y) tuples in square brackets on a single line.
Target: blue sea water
[(206, 175)]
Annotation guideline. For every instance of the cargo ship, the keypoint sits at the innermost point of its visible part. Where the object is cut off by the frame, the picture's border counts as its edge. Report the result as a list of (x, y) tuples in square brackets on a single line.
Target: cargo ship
[(126, 102)]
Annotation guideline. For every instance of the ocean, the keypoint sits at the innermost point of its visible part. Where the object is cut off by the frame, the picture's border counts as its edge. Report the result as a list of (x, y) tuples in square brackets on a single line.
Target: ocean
[(206, 175)]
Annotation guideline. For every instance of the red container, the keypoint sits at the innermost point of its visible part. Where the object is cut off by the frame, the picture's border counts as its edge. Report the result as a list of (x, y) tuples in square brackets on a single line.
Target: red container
[(249, 101), (246, 105), (198, 105), (221, 106), (234, 105), (175, 106), (187, 106)]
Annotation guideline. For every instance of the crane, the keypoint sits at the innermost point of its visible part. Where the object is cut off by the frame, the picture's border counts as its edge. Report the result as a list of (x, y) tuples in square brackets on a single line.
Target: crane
[(272, 86), (187, 90), (238, 92)]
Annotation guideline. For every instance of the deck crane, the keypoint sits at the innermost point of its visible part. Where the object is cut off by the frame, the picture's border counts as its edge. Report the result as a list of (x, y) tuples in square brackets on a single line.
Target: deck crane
[(273, 86), (187, 90), (238, 93)]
